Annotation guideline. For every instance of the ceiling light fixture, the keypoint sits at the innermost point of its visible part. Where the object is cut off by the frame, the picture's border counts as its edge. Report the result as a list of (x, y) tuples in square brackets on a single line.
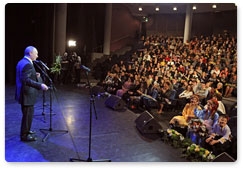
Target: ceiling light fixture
[(214, 6), (140, 8), (194, 7), (157, 9), (175, 8)]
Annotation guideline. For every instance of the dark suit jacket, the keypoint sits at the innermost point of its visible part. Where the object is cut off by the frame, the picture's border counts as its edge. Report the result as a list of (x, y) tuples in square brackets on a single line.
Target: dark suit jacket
[(27, 85)]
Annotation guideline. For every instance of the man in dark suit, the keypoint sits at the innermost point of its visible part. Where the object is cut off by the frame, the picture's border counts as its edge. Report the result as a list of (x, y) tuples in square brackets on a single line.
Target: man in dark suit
[(27, 85)]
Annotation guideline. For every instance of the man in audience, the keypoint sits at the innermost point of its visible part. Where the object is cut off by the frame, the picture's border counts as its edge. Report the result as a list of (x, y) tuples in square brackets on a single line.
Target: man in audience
[(219, 139)]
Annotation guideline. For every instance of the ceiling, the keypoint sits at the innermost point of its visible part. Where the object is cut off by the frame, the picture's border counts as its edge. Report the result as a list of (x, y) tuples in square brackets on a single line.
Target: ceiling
[(167, 8)]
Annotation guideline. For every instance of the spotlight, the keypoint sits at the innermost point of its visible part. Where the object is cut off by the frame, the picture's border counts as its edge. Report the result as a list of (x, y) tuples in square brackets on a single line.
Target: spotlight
[(71, 43)]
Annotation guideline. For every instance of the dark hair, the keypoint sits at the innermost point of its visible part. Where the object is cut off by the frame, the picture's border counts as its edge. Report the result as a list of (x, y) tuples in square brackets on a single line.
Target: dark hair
[(218, 96), (168, 83), (225, 116)]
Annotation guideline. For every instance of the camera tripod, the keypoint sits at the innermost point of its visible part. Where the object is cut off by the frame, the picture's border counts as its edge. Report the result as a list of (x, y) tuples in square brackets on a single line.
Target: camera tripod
[(92, 106)]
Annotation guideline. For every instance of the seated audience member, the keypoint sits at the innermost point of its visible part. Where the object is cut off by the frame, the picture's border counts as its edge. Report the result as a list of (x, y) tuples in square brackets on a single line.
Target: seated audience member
[(185, 96), (149, 100), (217, 90), (125, 87), (221, 107), (231, 85), (165, 93), (202, 92), (182, 87), (219, 139), (115, 68), (223, 79), (187, 113), (186, 93), (195, 85), (136, 94), (175, 83), (132, 92), (111, 83), (196, 130), (213, 79), (108, 81), (215, 70), (204, 77), (208, 115)]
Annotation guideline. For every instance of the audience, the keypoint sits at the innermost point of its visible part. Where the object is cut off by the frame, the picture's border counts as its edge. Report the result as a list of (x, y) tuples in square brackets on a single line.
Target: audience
[(205, 66)]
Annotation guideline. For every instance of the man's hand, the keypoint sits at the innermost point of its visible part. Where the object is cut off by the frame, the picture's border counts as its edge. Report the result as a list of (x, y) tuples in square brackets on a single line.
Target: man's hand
[(37, 74), (44, 87)]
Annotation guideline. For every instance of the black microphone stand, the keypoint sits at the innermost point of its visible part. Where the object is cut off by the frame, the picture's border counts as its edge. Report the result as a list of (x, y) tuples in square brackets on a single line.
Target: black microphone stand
[(50, 130), (43, 74), (43, 96), (92, 105)]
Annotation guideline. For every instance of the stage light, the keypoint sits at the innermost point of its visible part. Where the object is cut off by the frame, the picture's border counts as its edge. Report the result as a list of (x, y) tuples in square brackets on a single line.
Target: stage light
[(175, 8), (71, 43), (194, 7), (140, 8)]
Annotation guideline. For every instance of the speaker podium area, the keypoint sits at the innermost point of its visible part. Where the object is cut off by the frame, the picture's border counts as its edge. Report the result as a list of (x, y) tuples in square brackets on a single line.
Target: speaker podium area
[(148, 126)]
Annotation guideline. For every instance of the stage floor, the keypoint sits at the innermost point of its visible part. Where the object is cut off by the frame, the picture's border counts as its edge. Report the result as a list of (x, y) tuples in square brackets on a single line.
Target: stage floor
[(114, 135)]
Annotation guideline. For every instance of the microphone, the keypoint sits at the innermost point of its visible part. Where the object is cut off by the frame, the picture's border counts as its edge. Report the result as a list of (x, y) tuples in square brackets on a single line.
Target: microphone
[(43, 64), (85, 68)]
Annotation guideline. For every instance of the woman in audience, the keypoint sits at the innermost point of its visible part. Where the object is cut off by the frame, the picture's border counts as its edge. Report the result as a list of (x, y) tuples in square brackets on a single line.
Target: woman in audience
[(208, 115), (221, 107), (187, 113), (186, 93)]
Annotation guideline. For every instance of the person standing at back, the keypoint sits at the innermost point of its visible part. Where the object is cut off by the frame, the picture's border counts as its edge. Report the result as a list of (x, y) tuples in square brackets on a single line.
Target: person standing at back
[(27, 85)]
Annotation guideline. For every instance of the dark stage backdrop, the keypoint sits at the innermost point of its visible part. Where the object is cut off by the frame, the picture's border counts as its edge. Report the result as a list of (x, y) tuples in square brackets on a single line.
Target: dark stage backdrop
[(27, 24), (33, 24)]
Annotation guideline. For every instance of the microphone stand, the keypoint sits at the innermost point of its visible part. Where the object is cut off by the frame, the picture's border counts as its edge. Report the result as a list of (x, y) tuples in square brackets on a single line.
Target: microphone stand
[(92, 105), (43, 71), (50, 130)]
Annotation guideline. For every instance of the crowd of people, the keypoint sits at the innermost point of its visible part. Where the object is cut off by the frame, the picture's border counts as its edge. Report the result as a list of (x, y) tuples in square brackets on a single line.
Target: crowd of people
[(205, 65), (197, 75)]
